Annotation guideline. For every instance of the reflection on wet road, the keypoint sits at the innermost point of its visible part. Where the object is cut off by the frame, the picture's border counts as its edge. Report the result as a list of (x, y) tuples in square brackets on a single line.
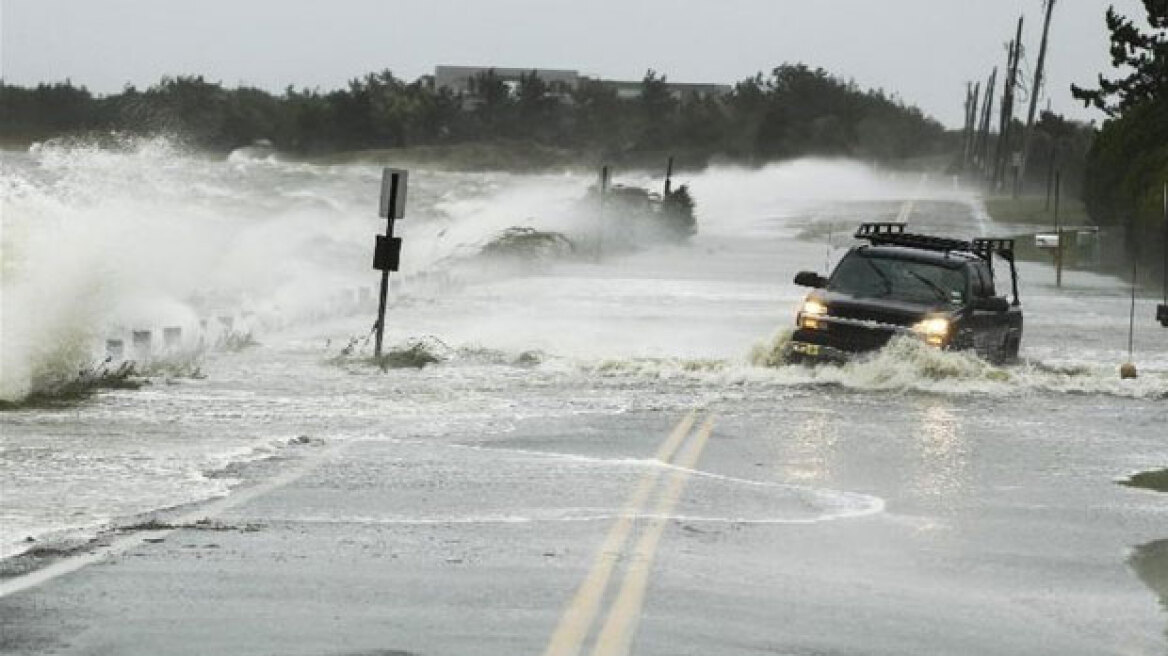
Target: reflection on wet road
[(1150, 561), (943, 456)]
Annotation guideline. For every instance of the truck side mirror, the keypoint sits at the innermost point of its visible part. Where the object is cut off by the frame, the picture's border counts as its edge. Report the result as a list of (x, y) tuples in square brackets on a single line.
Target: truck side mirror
[(991, 304), (810, 279)]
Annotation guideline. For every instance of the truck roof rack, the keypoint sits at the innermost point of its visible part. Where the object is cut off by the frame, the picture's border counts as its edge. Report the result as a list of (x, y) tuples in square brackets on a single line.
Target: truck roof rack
[(893, 234), (987, 246)]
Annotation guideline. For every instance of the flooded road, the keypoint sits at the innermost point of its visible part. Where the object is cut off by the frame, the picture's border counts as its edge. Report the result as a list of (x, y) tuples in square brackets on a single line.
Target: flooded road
[(528, 492)]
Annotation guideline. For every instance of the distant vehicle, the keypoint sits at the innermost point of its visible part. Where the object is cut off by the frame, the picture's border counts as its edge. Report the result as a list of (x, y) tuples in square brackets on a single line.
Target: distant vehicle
[(939, 290), (1162, 314)]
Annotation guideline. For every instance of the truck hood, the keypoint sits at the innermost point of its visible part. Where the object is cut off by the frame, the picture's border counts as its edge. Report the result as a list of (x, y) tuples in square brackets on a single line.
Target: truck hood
[(881, 310)]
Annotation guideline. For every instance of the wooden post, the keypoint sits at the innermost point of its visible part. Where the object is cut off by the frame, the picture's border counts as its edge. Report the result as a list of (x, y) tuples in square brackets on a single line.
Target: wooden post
[(1050, 174), (1058, 231), (668, 178), (1131, 325), (600, 212)]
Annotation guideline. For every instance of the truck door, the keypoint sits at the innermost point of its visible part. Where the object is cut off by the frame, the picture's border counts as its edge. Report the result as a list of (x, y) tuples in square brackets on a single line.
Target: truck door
[(989, 327)]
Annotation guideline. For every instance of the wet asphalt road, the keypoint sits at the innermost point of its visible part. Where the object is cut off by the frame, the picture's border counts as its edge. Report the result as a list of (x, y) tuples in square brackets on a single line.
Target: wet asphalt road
[(940, 528)]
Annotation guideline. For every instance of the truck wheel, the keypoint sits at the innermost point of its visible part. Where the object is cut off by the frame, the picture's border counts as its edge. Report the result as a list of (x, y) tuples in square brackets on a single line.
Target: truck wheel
[(1010, 347)]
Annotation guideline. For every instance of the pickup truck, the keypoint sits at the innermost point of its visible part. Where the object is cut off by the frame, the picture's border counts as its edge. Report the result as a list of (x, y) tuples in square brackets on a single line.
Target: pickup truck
[(939, 290)]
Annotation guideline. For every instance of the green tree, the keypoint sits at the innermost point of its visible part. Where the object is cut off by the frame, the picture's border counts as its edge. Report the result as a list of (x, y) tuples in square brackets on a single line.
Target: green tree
[(598, 118), (493, 104), (658, 112), (1128, 162), (538, 110), (1142, 55)]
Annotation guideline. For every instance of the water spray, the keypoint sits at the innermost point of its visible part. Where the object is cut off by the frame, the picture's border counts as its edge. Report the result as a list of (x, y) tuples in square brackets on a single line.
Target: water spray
[(827, 255)]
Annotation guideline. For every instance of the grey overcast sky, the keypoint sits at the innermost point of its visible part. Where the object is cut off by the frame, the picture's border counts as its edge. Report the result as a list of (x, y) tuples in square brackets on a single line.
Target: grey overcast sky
[(922, 50)]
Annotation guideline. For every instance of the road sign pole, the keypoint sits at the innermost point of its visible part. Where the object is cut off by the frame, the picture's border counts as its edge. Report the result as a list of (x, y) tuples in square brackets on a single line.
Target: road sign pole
[(387, 250), (381, 302)]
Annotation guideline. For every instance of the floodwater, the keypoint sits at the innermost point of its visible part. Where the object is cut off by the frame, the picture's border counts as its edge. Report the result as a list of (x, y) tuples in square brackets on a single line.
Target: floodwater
[(100, 243)]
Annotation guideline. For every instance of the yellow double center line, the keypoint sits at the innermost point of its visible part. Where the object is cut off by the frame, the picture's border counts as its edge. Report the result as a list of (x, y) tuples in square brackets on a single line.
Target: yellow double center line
[(620, 624)]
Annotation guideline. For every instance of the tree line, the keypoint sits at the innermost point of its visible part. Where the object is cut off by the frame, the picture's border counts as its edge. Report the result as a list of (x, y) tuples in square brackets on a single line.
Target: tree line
[(794, 111), (1127, 166)]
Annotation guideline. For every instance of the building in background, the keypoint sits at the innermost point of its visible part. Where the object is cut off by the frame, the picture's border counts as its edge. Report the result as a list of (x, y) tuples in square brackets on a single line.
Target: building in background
[(562, 82), (683, 91), (458, 78)]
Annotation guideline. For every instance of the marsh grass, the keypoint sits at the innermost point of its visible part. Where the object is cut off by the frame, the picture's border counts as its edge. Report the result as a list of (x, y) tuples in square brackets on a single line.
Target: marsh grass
[(62, 391), (48, 394)]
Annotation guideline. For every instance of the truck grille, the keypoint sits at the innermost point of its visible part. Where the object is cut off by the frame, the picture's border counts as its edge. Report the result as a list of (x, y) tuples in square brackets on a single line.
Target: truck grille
[(856, 338), (868, 314), (847, 336)]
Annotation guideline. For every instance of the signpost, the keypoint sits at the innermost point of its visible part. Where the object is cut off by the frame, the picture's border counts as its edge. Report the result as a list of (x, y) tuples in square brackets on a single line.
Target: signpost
[(387, 248)]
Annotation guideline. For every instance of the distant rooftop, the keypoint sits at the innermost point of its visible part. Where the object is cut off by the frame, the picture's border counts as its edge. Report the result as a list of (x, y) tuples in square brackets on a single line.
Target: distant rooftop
[(458, 79)]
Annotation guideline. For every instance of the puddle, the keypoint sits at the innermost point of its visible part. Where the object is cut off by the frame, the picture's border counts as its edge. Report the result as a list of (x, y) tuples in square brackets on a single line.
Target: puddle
[(1151, 480), (1150, 561)]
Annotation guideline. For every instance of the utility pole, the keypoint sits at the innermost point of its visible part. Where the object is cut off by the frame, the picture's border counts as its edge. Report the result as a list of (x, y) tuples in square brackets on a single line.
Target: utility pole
[(1050, 173), (971, 97), (983, 145), (1007, 114), (965, 131), (1036, 89)]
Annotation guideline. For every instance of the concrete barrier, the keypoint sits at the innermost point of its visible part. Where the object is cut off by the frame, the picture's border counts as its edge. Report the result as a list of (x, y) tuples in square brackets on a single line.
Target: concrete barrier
[(172, 337), (142, 343)]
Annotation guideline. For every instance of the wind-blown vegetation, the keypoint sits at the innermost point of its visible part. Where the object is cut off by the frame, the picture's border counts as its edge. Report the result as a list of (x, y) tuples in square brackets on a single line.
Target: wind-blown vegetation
[(794, 111), (1127, 166)]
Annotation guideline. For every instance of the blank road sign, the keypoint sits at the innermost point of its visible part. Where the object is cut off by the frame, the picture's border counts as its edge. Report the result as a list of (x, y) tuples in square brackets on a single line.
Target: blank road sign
[(387, 253), (393, 193)]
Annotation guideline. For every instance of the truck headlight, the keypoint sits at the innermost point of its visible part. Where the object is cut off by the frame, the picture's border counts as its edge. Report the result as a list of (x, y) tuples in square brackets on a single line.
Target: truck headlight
[(810, 313), (935, 330)]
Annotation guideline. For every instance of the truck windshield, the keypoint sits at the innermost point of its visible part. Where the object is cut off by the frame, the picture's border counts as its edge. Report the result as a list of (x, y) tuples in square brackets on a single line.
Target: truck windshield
[(902, 280)]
